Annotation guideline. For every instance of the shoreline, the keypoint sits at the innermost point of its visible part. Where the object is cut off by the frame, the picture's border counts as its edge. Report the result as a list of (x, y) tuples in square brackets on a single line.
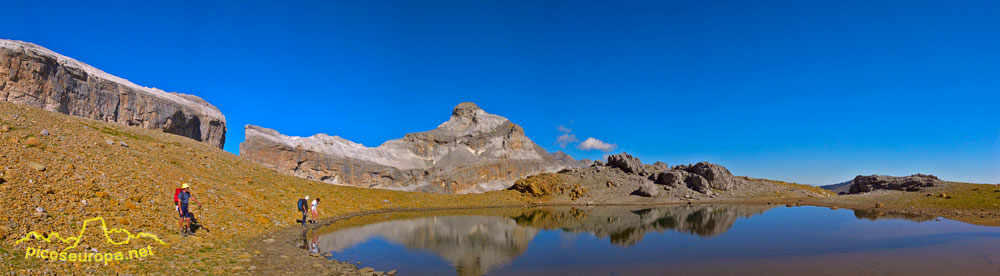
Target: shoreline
[(283, 244)]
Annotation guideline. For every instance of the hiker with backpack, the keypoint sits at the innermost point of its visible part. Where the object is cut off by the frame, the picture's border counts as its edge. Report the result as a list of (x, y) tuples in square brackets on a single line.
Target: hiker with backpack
[(182, 198), (177, 206), (304, 208)]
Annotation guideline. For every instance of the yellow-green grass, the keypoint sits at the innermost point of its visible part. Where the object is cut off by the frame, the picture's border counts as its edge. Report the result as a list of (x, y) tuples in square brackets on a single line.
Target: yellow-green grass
[(965, 196), (797, 186)]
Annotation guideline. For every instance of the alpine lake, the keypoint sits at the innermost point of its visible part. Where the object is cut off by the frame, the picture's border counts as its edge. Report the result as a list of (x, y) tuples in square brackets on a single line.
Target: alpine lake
[(660, 240)]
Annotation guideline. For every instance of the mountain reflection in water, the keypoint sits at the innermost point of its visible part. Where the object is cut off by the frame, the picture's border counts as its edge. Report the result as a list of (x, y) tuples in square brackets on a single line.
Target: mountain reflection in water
[(661, 240), (475, 241)]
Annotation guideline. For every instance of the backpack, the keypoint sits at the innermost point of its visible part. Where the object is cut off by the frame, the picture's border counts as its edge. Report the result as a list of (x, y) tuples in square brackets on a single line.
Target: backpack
[(177, 193), (302, 205)]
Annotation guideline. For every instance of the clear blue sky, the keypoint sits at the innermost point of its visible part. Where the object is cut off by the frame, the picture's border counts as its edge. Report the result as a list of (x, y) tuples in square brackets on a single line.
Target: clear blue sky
[(807, 91)]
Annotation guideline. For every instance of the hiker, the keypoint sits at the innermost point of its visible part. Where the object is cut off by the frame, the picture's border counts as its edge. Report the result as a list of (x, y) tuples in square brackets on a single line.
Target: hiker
[(313, 212), (177, 206), (183, 198), (304, 208)]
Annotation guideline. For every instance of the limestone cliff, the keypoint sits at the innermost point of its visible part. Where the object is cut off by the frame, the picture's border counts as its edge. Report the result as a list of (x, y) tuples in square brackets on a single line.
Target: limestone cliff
[(35, 76), (472, 152)]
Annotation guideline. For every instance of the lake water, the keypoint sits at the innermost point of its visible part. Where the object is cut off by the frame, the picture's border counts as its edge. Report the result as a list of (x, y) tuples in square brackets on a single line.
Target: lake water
[(661, 240)]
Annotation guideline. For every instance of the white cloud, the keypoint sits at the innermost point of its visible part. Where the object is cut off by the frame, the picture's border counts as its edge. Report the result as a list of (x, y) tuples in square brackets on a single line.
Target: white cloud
[(595, 144), (563, 129), (566, 139)]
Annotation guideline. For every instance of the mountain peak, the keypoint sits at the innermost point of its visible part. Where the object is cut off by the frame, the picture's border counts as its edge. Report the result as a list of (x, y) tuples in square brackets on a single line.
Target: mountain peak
[(474, 151), (468, 110)]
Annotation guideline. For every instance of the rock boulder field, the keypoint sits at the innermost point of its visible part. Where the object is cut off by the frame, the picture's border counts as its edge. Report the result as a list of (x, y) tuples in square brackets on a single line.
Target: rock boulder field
[(699, 177), (868, 183), (472, 152), (35, 76), (624, 179)]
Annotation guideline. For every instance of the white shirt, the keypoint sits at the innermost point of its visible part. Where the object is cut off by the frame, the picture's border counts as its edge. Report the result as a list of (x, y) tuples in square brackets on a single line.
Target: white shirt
[(314, 203)]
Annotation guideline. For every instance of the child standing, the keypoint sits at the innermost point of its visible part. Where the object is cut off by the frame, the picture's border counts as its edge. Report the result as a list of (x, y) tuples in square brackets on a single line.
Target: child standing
[(314, 213)]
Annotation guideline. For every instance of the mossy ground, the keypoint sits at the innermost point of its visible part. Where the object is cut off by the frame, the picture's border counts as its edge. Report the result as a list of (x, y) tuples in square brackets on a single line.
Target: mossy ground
[(796, 186)]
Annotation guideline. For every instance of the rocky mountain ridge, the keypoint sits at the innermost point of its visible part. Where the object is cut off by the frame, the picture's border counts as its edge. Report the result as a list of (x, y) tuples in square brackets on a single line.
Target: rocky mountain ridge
[(839, 188), (473, 151), (35, 76)]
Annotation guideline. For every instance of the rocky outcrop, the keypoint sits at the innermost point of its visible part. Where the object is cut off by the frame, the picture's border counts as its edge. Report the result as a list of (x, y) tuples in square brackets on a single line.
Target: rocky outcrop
[(659, 167), (868, 183), (474, 151), (671, 178), (626, 163), (701, 177), (718, 177), (698, 183), (35, 76)]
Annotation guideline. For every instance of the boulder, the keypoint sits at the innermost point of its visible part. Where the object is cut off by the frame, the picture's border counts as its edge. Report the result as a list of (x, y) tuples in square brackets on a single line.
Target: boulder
[(718, 177), (647, 189), (698, 183), (868, 183), (671, 178), (626, 163)]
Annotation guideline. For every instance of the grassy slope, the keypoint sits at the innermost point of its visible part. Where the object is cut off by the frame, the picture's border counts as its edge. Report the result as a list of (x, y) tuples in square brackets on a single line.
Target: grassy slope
[(132, 188), (964, 196)]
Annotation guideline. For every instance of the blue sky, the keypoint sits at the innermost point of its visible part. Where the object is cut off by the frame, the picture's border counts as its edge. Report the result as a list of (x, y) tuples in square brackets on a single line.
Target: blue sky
[(808, 91)]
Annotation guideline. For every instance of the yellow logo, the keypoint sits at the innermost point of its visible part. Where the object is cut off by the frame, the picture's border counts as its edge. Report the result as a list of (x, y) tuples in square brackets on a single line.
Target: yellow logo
[(89, 256)]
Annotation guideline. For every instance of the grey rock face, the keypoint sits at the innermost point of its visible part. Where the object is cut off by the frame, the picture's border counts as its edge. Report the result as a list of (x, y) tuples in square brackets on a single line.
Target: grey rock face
[(868, 183), (647, 189), (472, 152), (35, 76), (672, 178), (718, 176), (659, 167), (626, 163), (698, 183)]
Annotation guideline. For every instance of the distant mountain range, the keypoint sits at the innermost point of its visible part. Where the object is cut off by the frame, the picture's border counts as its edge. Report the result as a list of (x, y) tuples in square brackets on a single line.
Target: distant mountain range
[(839, 188), (472, 152)]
